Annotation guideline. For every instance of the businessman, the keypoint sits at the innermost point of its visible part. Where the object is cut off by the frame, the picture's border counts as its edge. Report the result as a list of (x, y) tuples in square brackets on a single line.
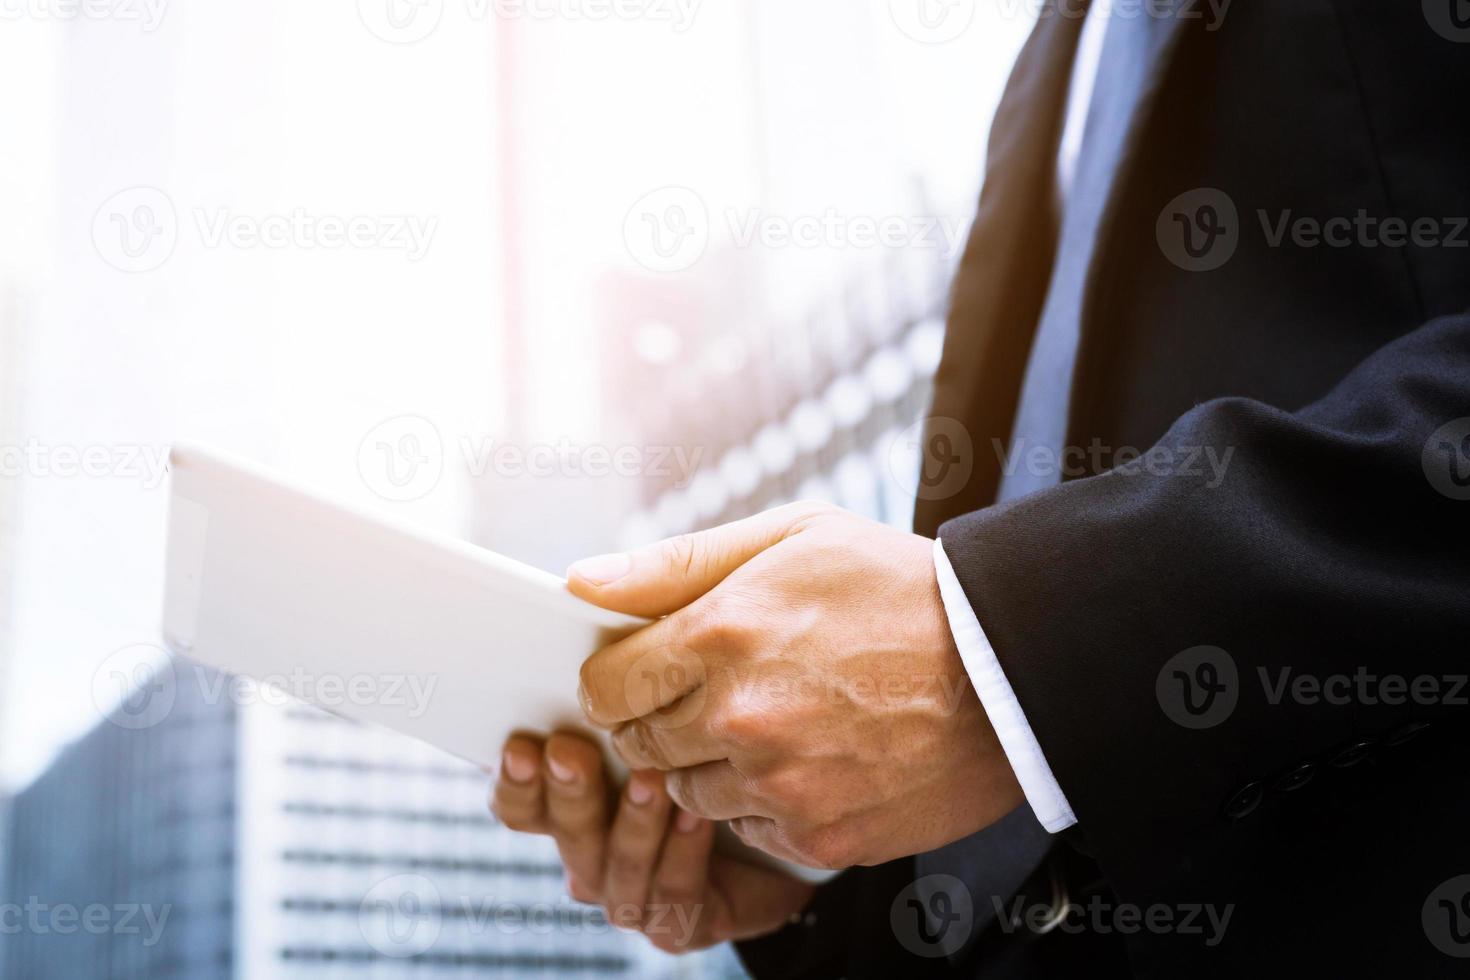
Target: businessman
[(1171, 680)]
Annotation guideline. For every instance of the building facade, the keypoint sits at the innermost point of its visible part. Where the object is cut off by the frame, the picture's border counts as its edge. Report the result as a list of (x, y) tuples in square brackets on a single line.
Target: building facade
[(216, 830)]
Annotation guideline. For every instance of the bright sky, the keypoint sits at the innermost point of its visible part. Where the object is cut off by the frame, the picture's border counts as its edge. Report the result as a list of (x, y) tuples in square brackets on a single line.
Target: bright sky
[(241, 123)]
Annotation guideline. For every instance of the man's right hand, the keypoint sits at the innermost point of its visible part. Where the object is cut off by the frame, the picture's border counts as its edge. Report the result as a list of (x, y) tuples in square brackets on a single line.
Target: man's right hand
[(649, 864)]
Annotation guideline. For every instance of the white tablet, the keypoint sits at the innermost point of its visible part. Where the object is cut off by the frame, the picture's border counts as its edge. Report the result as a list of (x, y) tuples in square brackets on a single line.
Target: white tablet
[(270, 580)]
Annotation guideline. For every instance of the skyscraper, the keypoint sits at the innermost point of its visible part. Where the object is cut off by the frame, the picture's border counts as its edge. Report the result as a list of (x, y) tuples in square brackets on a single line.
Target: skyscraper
[(122, 855), (828, 407), (212, 829)]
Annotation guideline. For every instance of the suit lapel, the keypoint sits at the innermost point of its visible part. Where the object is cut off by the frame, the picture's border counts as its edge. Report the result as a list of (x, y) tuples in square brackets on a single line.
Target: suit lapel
[(1003, 278), (1001, 281)]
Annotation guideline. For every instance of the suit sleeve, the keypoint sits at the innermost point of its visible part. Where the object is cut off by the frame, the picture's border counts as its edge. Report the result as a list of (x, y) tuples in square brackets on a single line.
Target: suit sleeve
[(845, 932), (1156, 622)]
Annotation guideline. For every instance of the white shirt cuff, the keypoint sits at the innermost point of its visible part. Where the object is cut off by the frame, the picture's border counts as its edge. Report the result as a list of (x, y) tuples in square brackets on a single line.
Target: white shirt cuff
[(1011, 728)]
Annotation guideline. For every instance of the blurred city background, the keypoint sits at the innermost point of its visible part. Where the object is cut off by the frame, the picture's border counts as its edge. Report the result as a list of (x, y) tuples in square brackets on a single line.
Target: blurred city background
[(556, 276)]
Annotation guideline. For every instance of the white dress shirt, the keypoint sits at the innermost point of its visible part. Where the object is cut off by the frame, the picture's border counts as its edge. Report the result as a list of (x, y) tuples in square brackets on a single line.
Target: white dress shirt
[(1042, 790)]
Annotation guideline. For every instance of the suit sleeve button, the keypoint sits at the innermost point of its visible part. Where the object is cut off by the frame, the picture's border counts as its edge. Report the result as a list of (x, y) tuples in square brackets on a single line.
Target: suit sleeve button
[(1353, 754), (1245, 800), (1404, 733), (1296, 778)]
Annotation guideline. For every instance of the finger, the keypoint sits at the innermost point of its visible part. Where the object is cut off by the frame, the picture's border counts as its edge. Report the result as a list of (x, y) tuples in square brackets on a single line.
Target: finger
[(518, 799), (715, 791), (576, 806), (580, 892), (650, 671), (647, 743), (677, 912), (657, 579), (633, 846)]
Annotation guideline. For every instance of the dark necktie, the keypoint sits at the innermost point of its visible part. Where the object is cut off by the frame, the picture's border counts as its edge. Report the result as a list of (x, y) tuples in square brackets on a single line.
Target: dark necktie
[(1129, 47)]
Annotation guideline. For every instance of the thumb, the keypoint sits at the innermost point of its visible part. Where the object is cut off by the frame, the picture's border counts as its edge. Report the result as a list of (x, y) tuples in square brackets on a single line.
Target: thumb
[(659, 578)]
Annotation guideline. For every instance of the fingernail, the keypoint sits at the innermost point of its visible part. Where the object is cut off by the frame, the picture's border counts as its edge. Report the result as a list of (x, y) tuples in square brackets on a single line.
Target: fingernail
[(602, 569), (687, 822), (639, 792), (560, 771), (519, 768)]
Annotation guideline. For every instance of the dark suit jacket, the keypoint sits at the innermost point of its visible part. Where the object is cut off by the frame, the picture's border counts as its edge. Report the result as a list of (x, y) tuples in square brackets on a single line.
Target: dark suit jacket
[(1336, 545)]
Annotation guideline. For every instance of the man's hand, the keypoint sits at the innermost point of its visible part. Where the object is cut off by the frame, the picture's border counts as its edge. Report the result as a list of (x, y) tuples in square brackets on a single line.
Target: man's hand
[(647, 863), (804, 685)]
